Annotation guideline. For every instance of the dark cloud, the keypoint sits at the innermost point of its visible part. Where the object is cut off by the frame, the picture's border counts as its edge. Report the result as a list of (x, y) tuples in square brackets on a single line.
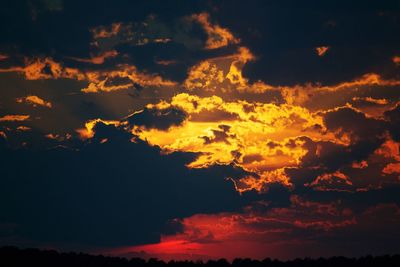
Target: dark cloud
[(284, 37), (354, 123), (394, 118), (115, 189), (107, 193), (220, 135), (67, 33), (160, 119), (325, 157)]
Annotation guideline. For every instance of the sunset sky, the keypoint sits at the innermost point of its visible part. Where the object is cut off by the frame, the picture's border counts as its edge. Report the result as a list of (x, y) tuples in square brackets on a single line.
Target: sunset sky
[(200, 129)]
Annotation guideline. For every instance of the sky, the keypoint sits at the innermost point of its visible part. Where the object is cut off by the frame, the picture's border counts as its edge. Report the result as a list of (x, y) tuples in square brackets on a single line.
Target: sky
[(201, 129)]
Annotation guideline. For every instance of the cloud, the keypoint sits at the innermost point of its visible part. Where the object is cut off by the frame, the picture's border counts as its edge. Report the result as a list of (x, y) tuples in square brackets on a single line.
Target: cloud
[(223, 139), (396, 60), (371, 100), (106, 32), (34, 101), (336, 181), (291, 231), (45, 68), (217, 36), (392, 168), (98, 80), (191, 130), (161, 119), (224, 75), (107, 81), (3, 56), (14, 118), (83, 201), (321, 50), (393, 116), (97, 59), (23, 128), (275, 143), (347, 122), (306, 95), (151, 30), (88, 131)]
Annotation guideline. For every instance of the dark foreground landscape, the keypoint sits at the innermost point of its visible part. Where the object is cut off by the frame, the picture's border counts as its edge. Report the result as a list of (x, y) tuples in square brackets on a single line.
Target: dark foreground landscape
[(15, 257)]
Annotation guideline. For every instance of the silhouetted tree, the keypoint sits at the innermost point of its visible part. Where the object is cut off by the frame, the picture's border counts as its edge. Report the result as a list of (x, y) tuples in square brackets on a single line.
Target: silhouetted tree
[(14, 257)]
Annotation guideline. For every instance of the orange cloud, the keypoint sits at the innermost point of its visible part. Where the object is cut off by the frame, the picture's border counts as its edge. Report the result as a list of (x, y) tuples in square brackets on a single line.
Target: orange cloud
[(99, 81), (224, 74), (336, 181), (360, 165), (261, 183), (34, 101), (23, 128), (389, 150), (372, 100), (46, 68), (301, 94), (97, 59), (88, 132), (14, 118), (52, 136), (321, 50), (139, 33), (392, 168), (60, 137), (106, 32), (396, 60), (217, 36)]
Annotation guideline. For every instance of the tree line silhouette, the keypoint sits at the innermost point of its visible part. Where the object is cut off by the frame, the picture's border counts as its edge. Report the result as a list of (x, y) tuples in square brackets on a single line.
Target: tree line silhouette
[(15, 257)]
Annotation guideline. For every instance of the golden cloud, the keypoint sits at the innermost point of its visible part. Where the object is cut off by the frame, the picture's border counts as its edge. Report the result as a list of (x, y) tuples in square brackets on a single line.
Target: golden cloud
[(217, 35), (34, 101), (99, 80), (14, 118), (261, 138), (301, 94), (46, 68), (88, 131), (224, 75)]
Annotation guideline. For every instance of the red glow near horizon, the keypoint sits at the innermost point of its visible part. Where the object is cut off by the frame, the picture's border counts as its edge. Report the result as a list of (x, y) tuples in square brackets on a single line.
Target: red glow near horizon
[(208, 237)]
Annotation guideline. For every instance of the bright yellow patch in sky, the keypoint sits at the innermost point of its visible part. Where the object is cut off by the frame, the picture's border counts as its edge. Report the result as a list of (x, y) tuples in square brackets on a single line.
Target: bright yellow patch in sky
[(262, 138)]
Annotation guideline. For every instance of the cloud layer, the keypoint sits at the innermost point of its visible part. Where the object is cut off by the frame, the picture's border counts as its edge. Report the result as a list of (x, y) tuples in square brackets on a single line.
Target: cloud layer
[(175, 129)]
